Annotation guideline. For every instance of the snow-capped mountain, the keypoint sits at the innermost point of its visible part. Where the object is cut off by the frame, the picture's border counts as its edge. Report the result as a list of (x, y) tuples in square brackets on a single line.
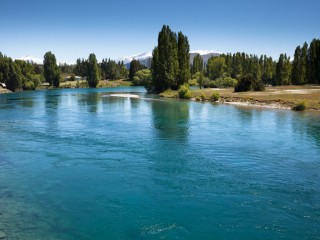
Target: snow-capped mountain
[(139, 57), (145, 58), (31, 59), (205, 54)]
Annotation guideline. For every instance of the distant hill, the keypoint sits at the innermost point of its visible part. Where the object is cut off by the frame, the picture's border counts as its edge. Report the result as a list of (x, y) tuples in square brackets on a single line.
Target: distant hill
[(145, 58)]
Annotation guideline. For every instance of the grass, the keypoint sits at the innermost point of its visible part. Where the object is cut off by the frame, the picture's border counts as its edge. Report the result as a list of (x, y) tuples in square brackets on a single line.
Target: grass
[(102, 83), (282, 97)]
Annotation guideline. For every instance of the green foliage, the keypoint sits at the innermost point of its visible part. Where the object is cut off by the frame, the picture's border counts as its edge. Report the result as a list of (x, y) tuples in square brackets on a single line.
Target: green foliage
[(216, 67), (197, 98), (206, 82), (197, 65), (135, 66), (248, 83), (51, 70), (81, 68), (184, 92), (170, 61), (93, 75), (215, 96), (301, 106), (183, 59), (112, 71), (29, 86), (200, 80), (283, 70), (224, 82), (203, 97), (142, 78)]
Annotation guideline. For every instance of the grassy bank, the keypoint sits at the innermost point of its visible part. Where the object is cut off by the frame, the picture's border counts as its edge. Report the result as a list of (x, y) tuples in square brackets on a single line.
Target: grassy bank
[(102, 83), (277, 97)]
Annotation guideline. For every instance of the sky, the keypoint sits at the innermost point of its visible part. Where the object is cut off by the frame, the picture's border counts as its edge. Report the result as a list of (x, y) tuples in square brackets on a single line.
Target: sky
[(114, 29)]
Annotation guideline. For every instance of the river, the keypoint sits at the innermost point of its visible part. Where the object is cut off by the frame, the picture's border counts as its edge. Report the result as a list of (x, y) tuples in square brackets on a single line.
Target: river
[(93, 164)]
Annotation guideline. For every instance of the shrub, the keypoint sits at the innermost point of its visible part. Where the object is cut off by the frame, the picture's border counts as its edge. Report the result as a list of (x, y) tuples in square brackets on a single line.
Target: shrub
[(29, 86), (248, 83), (198, 98), (214, 97), (301, 106), (142, 78), (203, 97), (224, 82), (206, 82), (184, 92)]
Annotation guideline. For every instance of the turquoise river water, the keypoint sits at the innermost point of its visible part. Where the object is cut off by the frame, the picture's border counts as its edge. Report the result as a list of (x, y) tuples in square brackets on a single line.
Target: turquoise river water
[(84, 164)]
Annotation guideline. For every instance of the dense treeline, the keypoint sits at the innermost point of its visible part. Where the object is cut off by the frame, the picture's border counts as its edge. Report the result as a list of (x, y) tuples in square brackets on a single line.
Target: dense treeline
[(18, 74), (303, 69), (109, 69)]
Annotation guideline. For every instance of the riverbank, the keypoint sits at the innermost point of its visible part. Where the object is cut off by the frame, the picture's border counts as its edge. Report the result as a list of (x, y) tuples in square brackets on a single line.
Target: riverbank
[(282, 97)]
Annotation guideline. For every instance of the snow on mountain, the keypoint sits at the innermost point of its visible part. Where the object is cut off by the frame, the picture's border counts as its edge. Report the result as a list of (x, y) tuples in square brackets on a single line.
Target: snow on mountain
[(140, 57), (205, 52), (145, 58), (31, 59)]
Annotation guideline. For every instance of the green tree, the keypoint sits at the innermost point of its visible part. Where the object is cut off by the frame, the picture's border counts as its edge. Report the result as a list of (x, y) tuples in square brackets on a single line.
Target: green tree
[(135, 66), (93, 75), (216, 67), (167, 59), (283, 70), (183, 59), (197, 65), (51, 70), (314, 61), (200, 80)]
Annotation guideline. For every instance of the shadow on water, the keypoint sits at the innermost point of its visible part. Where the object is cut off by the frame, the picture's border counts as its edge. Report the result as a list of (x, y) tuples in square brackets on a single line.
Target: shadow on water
[(89, 102)]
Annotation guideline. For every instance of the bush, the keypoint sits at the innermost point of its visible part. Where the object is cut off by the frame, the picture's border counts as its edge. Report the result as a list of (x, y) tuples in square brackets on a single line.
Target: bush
[(206, 82), (203, 97), (248, 83), (29, 86), (142, 78), (184, 92), (224, 82), (301, 106), (198, 98), (214, 97)]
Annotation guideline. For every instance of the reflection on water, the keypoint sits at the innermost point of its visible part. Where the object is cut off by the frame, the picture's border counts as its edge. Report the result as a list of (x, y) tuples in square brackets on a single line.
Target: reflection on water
[(171, 119)]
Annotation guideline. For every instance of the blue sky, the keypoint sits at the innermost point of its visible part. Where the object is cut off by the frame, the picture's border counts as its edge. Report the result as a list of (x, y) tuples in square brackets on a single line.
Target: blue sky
[(114, 29)]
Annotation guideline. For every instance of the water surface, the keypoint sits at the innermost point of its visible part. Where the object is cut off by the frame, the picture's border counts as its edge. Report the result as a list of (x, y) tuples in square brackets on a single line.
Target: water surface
[(81, 164)]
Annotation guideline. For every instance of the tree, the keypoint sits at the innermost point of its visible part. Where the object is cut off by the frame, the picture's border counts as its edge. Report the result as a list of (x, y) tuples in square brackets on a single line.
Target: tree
[(215, 67), (134, 67), (51, 70), (283, 70), (200, 80), (197, 65), (183, 59), (93, 75), (167, 59), (314, 62)]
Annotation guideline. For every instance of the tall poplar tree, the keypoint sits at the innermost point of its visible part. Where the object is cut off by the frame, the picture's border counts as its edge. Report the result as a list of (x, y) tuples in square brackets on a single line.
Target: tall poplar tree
[(197, 65), (183, 59), (93, 75), (167, 58), (51, 71)]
